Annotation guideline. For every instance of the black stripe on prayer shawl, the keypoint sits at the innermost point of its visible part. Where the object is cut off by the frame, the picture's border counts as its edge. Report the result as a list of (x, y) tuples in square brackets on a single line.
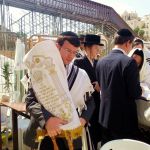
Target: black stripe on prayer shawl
[(72, 76), (148, 60)]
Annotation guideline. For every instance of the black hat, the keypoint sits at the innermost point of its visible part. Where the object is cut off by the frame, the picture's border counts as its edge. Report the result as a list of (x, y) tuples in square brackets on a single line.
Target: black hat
[(124, 32), (93, 39), (69, 34), (138, 41)]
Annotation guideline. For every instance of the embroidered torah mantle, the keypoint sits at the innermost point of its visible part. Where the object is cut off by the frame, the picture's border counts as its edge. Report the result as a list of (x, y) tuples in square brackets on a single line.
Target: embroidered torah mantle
[(49, 81)]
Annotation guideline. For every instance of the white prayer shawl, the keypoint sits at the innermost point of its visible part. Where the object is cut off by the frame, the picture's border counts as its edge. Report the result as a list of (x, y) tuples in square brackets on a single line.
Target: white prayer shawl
[(145, 70), (144, 74), (49, 81), (143, 107), (81, 86)]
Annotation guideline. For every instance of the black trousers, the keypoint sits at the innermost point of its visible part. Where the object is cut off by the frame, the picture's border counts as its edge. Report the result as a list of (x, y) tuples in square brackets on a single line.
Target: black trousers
[(95, 133), (95, 128), (47, 144)]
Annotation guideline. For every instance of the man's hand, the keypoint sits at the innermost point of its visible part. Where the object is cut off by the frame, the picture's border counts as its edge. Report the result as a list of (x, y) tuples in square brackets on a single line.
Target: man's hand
[(82, 121), (53, 126)]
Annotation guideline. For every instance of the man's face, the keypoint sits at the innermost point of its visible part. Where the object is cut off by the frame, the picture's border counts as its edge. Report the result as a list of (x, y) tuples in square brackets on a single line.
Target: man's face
[(139, 46), (67, 52), (95, 49)]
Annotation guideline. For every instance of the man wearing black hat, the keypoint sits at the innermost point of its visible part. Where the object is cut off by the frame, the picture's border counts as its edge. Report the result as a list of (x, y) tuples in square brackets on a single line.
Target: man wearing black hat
[(118, 78), (88, 63)]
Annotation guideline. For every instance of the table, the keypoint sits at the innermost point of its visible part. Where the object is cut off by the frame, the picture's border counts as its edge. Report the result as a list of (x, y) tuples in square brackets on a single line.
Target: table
[(17, 109)]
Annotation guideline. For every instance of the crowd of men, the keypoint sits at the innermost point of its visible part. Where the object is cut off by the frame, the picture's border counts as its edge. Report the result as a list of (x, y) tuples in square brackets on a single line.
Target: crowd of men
[(110, 110)]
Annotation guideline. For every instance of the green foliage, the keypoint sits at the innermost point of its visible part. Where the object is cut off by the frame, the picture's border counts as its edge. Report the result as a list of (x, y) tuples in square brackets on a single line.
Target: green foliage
[(6, 75), (136, 30), (21, 34), (139, 32)]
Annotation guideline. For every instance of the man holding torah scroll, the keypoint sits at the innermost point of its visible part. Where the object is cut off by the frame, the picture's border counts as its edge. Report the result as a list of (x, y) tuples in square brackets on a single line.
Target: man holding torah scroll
[(51, 105)]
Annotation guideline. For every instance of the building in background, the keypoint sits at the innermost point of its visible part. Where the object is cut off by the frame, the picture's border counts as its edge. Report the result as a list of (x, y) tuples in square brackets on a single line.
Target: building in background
[(146, 20), (139, 25)]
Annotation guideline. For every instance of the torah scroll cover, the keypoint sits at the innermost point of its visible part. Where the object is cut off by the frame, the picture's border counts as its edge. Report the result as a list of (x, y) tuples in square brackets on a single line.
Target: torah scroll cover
[(49, 81)]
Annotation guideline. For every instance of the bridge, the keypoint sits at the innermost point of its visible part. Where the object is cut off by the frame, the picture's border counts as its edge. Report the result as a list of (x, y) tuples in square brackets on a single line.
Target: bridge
[(100, 16)]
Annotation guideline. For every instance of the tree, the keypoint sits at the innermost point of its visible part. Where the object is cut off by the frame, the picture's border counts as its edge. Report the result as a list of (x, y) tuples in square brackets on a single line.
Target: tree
[(21, 35), (6, 74), (141, 33), (136, 30)]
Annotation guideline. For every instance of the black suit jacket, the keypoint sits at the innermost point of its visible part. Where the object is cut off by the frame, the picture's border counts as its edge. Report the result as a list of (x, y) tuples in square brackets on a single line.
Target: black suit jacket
[(118, 77), (85, 64)]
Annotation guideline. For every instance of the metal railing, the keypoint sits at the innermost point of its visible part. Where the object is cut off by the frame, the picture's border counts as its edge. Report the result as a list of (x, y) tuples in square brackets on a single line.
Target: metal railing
[(7, 40)]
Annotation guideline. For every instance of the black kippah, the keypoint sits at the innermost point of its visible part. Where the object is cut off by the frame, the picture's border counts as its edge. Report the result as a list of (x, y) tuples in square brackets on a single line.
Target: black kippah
[(69, 34), (138, 41), (124, 32)]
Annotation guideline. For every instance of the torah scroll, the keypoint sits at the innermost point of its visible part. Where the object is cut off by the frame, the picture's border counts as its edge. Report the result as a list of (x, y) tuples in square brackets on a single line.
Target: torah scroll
[(49, 81)]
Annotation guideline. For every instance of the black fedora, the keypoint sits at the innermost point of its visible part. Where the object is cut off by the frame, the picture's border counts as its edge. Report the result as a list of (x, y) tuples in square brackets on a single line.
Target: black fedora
[(93, 39)]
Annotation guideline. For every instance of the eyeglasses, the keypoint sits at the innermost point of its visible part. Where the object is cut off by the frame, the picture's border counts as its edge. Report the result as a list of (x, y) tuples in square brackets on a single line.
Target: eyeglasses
[(71, 52)]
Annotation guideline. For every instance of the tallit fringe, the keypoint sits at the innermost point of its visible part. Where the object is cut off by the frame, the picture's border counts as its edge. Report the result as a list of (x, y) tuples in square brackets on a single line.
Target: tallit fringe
[(84, 140)]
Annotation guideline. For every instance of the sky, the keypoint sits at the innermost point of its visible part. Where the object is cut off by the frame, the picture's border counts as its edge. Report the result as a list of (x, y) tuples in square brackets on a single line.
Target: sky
[(141, 7)]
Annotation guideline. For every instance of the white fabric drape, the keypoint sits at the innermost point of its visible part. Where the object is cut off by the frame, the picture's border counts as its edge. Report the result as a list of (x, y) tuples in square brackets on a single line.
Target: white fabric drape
[(143, 107)]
